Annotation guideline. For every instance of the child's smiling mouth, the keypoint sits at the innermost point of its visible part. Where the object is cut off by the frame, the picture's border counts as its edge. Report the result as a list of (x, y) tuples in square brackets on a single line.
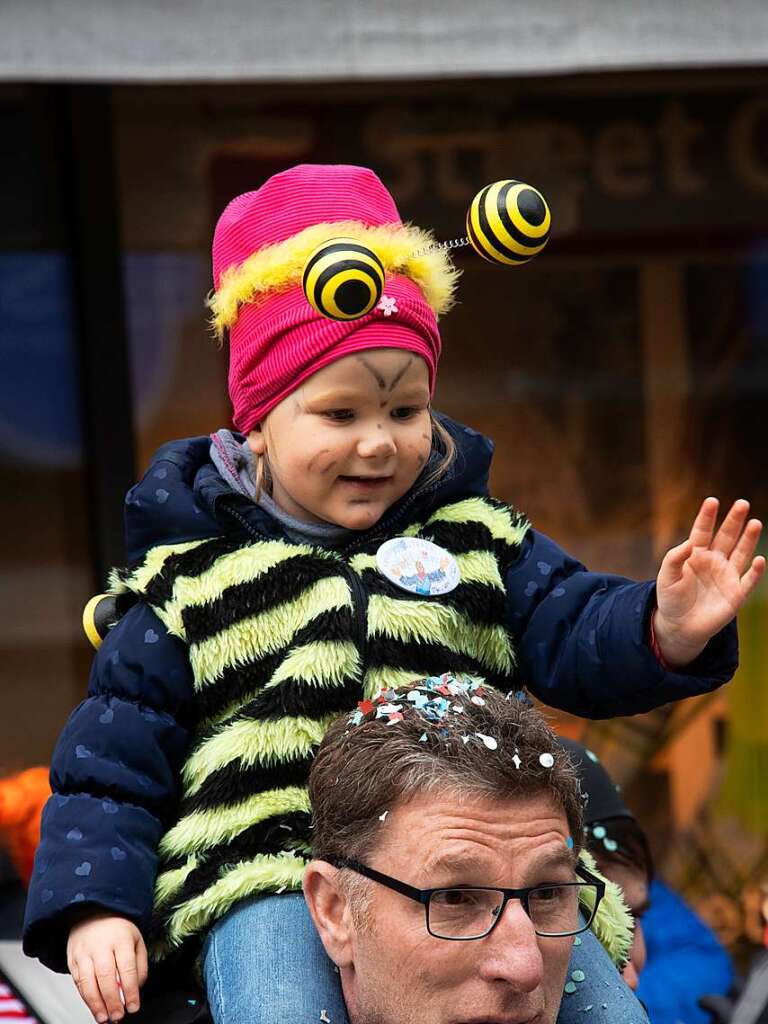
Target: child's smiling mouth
[(366, 483)]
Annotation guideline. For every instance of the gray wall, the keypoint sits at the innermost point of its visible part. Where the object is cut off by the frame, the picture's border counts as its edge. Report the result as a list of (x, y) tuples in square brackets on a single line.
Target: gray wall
[(289, 40)]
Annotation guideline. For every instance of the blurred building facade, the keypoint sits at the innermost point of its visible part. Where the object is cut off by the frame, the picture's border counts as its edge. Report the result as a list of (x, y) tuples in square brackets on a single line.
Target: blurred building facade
[(623, 374)]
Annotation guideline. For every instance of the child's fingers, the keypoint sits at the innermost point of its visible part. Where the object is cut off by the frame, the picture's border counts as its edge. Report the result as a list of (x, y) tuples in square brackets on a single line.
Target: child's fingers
[(106, 978), (85, 979), (141, 961), (741, 556), (727, 536), (704, 523), (673, 562), (125, 957), (752, 576)]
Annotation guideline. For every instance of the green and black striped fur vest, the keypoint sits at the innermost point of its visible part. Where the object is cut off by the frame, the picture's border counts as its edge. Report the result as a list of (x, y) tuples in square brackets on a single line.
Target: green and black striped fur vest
[(282, 638)]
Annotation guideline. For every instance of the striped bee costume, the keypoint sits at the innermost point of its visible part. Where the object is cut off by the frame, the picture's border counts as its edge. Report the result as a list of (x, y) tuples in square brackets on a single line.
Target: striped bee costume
[(282, 638)]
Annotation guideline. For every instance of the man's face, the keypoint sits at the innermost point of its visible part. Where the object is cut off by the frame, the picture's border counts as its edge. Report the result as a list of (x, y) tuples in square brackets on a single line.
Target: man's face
[(400, 974)]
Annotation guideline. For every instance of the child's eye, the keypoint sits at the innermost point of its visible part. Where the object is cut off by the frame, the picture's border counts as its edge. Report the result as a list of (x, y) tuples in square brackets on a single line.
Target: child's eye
[(339, 415), (404, 412)]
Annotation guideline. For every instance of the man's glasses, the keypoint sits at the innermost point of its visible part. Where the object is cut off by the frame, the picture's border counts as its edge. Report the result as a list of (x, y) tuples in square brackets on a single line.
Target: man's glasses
[(462, 912)]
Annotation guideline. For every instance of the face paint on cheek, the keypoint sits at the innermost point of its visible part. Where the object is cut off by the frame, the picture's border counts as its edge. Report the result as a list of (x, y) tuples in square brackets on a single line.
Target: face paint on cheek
[(328, 467), (315, 457)]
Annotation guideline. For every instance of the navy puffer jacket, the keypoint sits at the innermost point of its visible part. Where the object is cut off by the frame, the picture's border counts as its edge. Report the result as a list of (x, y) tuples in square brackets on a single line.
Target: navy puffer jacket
[(581, 640)]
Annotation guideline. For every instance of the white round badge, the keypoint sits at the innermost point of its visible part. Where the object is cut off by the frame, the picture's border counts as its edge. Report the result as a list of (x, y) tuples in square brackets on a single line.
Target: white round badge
[(418, 566)]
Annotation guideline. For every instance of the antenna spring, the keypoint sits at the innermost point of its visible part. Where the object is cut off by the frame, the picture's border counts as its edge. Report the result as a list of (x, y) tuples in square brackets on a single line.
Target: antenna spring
[(453, 243)]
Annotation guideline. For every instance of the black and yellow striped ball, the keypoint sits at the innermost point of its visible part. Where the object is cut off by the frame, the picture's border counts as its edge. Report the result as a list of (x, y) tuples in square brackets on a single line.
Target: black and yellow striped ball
[(99, 615), (343, 279), (508, 222)]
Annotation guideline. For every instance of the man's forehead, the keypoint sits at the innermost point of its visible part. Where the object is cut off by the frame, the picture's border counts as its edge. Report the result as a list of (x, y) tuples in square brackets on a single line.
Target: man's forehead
[(439, 832), (544, 854)]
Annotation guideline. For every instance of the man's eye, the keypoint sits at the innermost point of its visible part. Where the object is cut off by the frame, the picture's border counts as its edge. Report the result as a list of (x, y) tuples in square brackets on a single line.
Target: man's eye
[(549, 893), (455, 898)]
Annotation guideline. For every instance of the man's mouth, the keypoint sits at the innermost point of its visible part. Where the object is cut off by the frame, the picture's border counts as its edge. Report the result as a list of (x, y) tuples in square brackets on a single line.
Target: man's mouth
[(506, 1019)]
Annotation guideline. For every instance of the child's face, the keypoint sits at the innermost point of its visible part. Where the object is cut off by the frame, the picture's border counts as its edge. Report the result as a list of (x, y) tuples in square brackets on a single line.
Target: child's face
[(351, 440)]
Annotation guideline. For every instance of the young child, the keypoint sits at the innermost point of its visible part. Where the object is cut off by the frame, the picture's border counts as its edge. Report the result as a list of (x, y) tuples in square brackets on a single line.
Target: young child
[(273, 572)]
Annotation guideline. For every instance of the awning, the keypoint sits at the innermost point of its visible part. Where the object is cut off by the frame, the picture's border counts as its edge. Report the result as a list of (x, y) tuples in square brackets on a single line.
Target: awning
[(320, 40)]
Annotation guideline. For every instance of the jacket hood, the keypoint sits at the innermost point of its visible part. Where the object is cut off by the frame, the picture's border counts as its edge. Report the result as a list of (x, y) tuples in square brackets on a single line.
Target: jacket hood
[(182, 496)]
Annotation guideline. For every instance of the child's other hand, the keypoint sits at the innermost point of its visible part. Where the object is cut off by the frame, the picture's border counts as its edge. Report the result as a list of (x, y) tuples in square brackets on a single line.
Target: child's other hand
[(100, 948), (704, 581)]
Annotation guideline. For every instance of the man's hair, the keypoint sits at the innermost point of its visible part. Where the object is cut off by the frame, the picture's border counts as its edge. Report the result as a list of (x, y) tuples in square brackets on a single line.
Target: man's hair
[(366, 764)]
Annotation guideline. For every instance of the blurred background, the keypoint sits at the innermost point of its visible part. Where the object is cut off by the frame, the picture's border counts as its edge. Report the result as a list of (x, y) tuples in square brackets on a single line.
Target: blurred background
[(623, 374)]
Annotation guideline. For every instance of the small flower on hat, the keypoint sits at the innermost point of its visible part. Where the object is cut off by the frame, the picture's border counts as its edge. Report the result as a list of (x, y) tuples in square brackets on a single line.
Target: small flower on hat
[(388, 305)]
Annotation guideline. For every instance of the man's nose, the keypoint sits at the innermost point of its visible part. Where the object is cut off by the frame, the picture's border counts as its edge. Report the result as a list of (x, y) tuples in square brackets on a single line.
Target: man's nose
[(376, 443), (511, 952)]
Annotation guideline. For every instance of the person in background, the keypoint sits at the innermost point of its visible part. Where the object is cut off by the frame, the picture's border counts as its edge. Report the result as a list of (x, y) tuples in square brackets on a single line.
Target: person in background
[(675, 958)]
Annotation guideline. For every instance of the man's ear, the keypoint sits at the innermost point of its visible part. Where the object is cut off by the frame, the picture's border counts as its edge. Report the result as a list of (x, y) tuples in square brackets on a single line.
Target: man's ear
[(329, 910), (256, 440)]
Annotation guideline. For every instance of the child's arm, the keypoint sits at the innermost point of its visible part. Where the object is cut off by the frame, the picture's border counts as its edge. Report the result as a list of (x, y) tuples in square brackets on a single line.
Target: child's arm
[(114, 778), (584, 639)]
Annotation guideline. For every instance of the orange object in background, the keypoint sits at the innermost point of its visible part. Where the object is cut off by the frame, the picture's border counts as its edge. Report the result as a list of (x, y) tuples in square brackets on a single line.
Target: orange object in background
[(22, 798)]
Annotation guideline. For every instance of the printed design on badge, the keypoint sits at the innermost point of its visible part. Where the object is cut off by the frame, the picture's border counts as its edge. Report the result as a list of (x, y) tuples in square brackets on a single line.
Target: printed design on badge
[(418, 566)]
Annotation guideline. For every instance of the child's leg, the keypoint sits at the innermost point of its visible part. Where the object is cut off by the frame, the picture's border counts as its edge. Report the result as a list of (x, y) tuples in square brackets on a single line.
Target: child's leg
[(602, 997), (264, 962)]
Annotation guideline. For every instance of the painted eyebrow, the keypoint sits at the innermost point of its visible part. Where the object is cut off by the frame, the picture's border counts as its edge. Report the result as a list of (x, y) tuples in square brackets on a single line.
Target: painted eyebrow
[(399, 375), (379, 377)]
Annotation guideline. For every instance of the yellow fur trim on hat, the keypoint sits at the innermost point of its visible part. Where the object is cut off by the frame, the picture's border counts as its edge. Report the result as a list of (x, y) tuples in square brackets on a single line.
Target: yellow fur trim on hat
[(279, 266)]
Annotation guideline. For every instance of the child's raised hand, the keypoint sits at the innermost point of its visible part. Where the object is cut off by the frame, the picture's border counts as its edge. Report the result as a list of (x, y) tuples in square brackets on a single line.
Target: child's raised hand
[(100, 948), (704, 581)]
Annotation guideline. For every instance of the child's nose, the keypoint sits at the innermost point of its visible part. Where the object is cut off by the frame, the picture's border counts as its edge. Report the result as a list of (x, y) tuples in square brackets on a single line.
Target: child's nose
[(378, 443)]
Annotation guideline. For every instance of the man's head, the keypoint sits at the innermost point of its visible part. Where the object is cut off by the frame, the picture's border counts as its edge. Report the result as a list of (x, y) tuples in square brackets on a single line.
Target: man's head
[(441, 786)]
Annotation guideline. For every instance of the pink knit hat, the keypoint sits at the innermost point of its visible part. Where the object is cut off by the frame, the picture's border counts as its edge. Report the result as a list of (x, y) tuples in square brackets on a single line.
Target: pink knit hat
[(260, 245)]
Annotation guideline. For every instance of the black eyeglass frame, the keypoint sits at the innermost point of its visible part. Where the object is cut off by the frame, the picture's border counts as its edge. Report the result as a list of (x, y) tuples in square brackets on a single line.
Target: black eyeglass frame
[(424, 896)]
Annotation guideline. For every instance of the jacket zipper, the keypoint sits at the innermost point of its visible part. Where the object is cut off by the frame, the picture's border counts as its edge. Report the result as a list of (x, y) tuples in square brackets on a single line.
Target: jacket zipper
[(387, 526), (360, 609), (357, 591)]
